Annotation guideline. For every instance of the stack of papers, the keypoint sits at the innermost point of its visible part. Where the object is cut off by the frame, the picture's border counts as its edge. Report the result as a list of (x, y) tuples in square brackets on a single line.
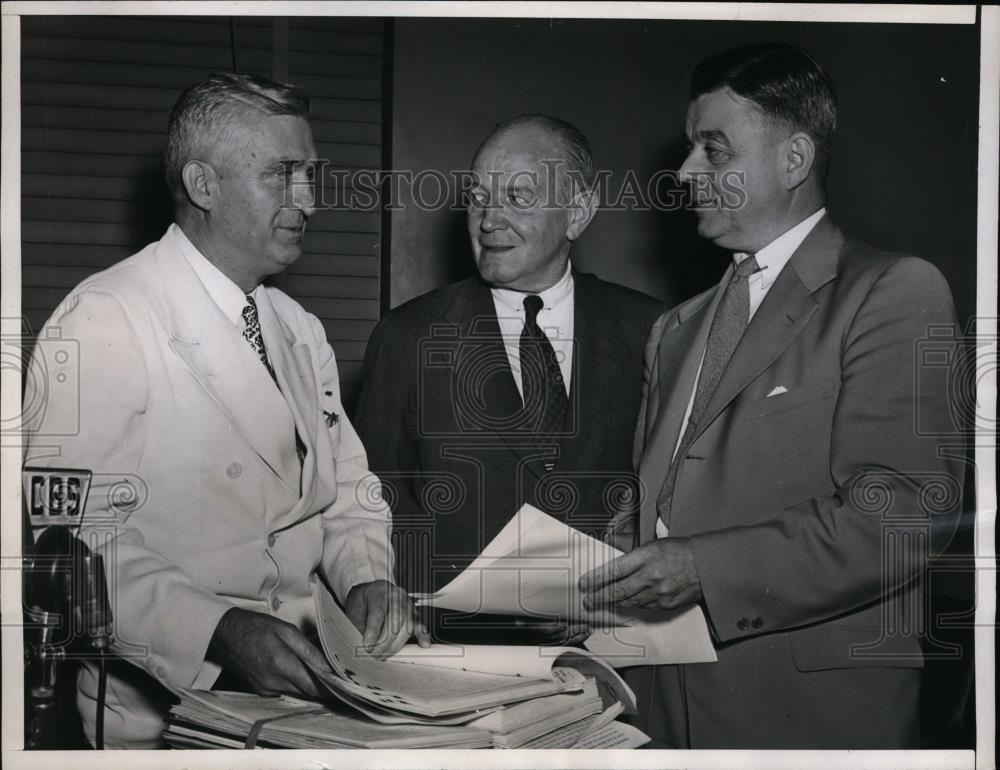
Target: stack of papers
[(515, 725), (421, 698), (596, 733), (227, 720)]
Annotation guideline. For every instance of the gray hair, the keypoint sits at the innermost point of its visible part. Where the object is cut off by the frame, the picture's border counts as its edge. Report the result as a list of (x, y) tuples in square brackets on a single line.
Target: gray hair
[(204, 115)]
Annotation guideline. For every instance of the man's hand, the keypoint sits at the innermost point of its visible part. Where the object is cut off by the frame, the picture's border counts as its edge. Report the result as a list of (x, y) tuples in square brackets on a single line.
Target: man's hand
[(271, 655), (386, 617), (660, 575)]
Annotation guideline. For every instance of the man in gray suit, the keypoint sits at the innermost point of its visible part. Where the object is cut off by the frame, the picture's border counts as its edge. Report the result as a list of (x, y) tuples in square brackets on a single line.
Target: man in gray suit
[(778, 444)]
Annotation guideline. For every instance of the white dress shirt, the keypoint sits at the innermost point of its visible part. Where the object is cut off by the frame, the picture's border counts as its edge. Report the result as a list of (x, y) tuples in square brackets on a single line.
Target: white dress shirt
[(224, 293), (555, 319), (770, 259)]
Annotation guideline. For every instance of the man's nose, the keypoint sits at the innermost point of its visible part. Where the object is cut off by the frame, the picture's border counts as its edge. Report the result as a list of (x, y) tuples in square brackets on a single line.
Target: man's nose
[(687, 171), (307, 197), (493, 218), (304, 194)]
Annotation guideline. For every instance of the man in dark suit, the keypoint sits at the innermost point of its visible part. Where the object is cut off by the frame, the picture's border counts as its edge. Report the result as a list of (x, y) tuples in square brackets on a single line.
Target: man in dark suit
[(520, 385), (789, 489)]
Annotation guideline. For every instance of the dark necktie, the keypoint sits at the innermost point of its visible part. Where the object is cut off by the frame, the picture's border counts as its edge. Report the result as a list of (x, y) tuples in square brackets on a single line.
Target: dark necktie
[(542, 385), (253, 335), (730, 322)]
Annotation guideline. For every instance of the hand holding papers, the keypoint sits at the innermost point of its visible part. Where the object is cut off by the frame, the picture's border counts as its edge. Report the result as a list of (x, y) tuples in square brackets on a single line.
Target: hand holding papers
[(442, 696), (532, 567)]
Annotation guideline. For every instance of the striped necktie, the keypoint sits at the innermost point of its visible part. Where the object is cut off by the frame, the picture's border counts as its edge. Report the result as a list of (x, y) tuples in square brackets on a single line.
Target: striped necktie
[(731, 319), (544, 392)]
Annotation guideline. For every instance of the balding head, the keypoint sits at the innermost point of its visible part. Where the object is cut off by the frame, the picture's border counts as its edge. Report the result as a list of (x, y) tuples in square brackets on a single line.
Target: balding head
[(526, 207)]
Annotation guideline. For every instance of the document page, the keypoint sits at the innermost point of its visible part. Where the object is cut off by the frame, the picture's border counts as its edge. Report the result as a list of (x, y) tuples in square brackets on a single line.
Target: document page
[(406, 687), (532, 568)]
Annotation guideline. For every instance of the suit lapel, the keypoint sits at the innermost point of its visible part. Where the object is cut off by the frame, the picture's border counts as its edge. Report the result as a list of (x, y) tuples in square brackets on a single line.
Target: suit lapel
[(222, 362), (678, 358), (292, 364), (786, 309), (598, 366)]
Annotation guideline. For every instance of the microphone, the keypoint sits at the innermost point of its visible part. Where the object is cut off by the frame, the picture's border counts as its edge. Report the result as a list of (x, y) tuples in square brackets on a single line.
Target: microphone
[(64, 576), (65, 588), (66, 579)]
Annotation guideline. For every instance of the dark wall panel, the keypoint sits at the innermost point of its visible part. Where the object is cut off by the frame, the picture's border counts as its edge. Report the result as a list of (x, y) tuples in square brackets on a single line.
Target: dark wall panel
[(904, 163)]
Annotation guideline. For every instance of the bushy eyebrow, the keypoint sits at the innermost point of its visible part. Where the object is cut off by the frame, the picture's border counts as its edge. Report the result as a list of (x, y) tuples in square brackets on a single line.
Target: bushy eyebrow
[(521, 183), (712, 134), (521, 186), (285, 163)]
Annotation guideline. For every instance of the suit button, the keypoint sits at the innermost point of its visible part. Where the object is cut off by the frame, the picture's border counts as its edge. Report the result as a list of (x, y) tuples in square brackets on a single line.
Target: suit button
[(742, 624), (756, 623), (234, 470), (271, 540), (275, 603)]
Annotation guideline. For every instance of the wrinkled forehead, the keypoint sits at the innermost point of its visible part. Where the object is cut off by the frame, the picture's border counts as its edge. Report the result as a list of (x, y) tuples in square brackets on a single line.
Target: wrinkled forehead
[(722, 111), (519, 154), (266, 138)]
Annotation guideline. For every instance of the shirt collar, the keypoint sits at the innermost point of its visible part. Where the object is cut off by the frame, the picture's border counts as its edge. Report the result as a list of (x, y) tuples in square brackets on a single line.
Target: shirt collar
[(226, 294), (551, 297), (776, 254)]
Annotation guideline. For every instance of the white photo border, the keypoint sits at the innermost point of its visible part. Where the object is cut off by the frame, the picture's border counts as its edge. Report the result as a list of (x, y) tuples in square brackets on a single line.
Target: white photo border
[(985, 456)]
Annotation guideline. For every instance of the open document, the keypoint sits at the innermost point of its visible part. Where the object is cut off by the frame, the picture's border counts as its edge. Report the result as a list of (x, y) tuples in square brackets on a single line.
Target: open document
[(465, 678), (531, 568)]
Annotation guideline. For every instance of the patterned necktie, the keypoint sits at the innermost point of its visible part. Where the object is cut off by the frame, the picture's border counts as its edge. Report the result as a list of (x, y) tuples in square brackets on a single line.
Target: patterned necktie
[(252, 334), (544, 393), (730, 322), (251, 331)]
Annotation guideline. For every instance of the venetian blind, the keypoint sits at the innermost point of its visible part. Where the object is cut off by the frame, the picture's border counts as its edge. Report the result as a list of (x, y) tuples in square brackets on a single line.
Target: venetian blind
[(96, 94)]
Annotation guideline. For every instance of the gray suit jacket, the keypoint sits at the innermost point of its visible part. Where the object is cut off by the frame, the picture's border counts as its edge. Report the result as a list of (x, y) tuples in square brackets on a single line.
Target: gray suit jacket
[(812, 511)]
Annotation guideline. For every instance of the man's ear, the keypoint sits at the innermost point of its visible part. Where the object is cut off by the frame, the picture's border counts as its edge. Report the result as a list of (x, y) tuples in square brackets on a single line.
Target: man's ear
[(581, 211), (200, 183), (799, 157)]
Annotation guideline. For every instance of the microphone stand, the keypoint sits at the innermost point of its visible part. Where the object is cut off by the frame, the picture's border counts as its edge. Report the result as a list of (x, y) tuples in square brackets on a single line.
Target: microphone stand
[(66, 591)]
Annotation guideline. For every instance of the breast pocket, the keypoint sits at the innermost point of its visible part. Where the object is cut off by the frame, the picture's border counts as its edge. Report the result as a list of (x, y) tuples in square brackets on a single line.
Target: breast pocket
[(794, 398)]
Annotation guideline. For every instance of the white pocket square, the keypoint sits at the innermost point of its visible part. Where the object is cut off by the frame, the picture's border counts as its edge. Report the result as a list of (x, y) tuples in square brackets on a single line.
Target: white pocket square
[(777, 391)]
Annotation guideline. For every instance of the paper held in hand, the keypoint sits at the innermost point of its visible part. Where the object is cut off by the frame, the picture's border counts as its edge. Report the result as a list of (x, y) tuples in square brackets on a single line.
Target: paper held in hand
[(531, 568)]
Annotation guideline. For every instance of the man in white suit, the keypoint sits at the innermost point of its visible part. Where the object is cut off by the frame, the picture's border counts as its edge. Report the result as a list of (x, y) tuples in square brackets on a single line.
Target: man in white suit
[(221, 396)]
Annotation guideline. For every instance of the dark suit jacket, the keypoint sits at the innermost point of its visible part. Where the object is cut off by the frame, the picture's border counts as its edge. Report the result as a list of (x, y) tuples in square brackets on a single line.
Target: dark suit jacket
[(811, 512), (443, 424)]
